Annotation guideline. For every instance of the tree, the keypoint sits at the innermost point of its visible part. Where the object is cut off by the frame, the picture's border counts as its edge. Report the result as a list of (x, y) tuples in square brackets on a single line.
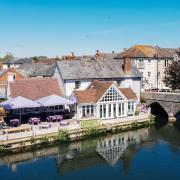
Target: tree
[(172, 75), (7, 57)]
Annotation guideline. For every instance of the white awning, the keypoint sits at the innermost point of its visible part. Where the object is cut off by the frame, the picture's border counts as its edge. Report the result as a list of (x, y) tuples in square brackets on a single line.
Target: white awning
[(19, 102), (54, 100)]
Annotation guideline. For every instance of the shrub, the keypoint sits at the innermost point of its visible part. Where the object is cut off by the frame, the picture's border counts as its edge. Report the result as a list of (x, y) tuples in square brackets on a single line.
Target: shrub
[(32, 141), (45, 140), (63, 136), (91, 132), (137, 113), (142, 100), (134, 124), (2, 149)]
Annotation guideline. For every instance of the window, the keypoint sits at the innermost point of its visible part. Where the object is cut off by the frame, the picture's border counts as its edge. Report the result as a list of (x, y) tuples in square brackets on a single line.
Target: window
[(119, 113), (149, 74), (100, 110), (88, 111), (130, 106), (118, 82), (83, 111), (166, 63), (109, 107), (114, 110), (112, 95), (149, 60), (104, 110), (158, 74), (77, 84), (122, 108)]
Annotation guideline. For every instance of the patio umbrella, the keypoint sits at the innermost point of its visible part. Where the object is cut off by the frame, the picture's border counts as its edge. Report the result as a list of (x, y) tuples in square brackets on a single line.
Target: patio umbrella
[(54, 100), (19, 102)]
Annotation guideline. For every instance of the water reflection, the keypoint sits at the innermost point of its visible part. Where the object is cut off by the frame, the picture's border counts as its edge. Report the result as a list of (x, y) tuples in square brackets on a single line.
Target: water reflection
[(105, 151), (112, 148)]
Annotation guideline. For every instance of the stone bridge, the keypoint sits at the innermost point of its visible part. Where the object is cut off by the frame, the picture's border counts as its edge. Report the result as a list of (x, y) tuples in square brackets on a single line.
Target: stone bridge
[(170, 102)]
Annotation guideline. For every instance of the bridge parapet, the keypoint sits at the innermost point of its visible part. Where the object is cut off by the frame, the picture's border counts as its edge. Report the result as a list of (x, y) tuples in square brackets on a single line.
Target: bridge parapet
[(169, 101), (170, 97)]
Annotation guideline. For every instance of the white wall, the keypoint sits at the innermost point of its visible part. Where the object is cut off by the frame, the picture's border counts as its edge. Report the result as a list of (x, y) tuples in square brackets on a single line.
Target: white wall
[(151, 66), (6, 66), (70, 86)]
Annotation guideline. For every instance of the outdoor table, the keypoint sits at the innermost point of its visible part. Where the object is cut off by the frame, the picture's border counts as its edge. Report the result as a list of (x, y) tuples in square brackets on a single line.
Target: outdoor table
[(14, 122), (56, 118), (34, 121)]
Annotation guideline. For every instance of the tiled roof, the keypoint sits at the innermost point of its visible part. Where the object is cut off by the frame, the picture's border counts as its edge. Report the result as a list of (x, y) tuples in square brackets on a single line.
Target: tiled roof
[(11, 70), (35, 88), (37, 69), (48, 61), (93, 69), (96, 90), (141, 51), (128, 93)]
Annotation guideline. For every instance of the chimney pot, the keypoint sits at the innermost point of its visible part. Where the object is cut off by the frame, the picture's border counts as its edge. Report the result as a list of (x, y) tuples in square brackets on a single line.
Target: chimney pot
[(72, 54)]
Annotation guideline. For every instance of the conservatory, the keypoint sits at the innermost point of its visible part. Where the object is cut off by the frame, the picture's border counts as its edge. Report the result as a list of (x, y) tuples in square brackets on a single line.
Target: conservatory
[(104, 100)]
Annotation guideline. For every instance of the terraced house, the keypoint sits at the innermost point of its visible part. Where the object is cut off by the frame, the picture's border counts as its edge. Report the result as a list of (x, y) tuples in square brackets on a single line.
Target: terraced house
[(151, 62)]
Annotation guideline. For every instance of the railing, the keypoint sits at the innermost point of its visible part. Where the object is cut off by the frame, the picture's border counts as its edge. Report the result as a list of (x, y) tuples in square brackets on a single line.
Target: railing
[(28, 134)]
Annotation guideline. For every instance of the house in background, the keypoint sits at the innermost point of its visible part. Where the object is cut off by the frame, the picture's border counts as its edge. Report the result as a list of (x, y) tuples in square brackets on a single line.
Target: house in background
[(7, 76), (104, 100), (37, 69), (78, 74), (34, 88), (151, 62), (11, 63)]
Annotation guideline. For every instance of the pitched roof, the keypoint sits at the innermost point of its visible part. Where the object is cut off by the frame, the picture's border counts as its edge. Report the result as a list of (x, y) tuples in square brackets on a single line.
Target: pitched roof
[(145, 51), (12, 70), (48, 61), (93, 92), (96, 90), (35, 88), (128, 93), (37, 69), (93, 69)]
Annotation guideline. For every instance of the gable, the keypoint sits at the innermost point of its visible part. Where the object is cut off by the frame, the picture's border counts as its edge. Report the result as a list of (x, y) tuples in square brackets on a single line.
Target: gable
[(112, 94), (4, 75)]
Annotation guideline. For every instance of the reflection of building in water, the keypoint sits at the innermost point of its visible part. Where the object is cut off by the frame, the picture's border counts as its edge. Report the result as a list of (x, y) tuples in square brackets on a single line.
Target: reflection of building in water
[(85, 154), (13, 160), (112, 148)]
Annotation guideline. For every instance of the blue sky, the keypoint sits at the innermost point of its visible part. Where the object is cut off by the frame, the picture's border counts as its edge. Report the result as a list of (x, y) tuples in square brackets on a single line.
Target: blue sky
[(57, 27)]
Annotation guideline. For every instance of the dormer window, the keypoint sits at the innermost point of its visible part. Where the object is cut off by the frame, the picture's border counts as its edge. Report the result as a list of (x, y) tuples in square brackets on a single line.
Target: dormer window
[(77, 84)]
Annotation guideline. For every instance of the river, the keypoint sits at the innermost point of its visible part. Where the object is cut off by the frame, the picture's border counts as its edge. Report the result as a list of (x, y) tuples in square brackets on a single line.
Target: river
[(148, 153)]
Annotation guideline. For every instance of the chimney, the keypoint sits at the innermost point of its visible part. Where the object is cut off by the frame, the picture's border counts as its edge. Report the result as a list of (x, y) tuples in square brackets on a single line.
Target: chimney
[(127, 66), (72, 54), (97, 55), (113, 52)]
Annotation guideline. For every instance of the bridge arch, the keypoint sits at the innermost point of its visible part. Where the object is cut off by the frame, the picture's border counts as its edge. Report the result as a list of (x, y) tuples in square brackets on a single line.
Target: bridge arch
[(177, 115), (158, 110)]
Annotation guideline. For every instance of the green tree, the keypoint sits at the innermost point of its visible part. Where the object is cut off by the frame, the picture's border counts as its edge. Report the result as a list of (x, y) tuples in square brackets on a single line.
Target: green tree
[(172, 75), (7, 57)]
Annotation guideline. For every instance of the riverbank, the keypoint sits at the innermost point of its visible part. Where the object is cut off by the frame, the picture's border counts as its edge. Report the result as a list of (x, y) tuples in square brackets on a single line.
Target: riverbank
[(73, 133)]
